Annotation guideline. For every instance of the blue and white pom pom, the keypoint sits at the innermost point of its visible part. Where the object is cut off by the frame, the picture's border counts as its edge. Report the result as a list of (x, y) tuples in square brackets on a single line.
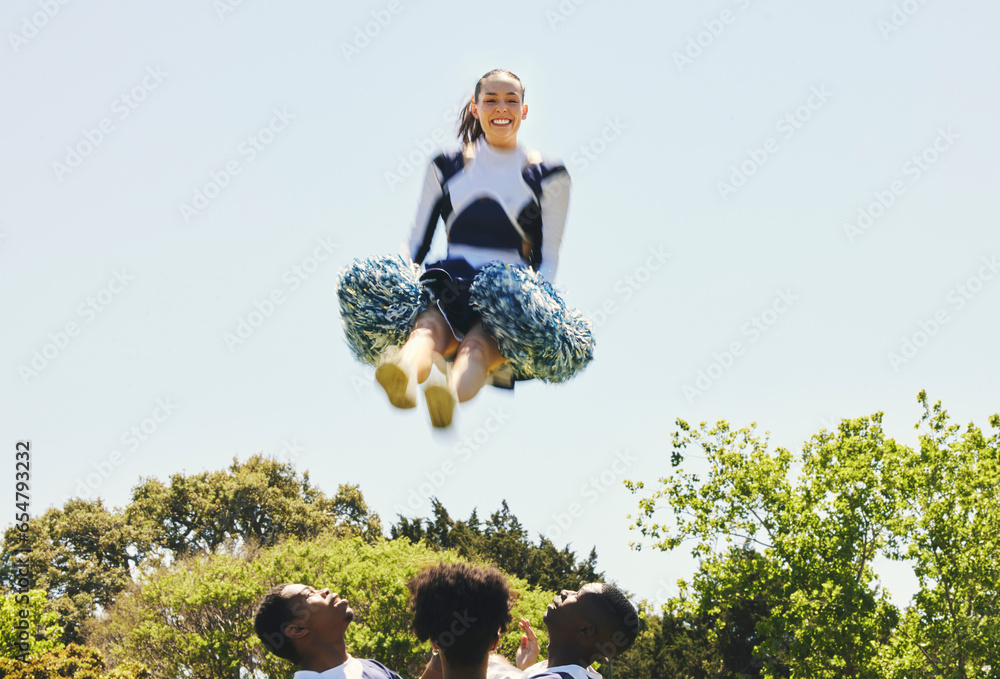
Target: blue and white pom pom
[(540, 336), (379, 298)]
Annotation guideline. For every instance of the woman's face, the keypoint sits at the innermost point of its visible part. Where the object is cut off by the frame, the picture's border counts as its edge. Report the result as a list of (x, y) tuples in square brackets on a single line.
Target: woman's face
[(500, 110)]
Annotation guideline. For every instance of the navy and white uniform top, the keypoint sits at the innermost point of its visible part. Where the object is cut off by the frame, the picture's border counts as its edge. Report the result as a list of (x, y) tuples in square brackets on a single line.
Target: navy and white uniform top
[(506, 205), (543, 671), (354, 668)]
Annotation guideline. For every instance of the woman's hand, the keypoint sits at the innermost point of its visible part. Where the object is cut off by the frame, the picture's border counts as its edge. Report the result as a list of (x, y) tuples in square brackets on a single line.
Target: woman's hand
[(527, 650)]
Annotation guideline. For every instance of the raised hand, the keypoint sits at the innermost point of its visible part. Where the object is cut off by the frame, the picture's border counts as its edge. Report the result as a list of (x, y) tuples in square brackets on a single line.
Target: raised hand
[(527, 650)]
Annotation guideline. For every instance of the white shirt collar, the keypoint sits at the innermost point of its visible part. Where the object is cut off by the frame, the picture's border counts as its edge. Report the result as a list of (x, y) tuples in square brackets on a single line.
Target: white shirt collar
[(483, 150), (575, 671), (352, 669)]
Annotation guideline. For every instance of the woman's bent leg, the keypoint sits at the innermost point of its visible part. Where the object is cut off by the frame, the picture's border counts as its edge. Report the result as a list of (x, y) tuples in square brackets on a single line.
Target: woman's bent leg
[(431, 335), (478, 355), (400, 370)]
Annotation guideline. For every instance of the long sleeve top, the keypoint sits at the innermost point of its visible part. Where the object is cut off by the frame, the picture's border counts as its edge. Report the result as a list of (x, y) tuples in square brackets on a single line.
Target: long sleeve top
[(506, 205)]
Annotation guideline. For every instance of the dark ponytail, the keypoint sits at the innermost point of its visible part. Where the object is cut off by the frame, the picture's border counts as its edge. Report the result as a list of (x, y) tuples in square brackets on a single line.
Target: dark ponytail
[(469, 128)]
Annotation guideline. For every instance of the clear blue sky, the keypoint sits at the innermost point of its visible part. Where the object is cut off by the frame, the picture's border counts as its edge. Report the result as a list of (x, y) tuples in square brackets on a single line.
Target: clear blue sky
[(770, 201)]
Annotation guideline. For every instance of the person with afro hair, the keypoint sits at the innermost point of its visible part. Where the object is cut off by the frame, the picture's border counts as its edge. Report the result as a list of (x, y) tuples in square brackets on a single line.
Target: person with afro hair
[(463, 610)]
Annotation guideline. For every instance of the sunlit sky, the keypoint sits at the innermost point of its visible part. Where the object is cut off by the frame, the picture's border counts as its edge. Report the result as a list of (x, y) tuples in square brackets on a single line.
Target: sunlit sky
[(782, 213)]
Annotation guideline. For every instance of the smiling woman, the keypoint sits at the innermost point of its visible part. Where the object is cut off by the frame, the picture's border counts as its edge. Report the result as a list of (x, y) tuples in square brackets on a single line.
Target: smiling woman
[(499, 100), (489, 306)]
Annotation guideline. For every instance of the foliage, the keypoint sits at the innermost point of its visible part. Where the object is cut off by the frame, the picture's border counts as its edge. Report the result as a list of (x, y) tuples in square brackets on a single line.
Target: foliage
[(260, 501), (811, 544), (76, 661), (194, 617), (80, 555), (785, 584), (707, 638), (671, 645), (27, 626), (796, 554), (84, 555), (504, 541), (952, 628)]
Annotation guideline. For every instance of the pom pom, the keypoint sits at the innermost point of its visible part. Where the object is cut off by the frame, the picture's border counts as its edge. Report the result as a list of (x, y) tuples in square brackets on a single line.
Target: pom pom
[(540, 336), (379, 299)]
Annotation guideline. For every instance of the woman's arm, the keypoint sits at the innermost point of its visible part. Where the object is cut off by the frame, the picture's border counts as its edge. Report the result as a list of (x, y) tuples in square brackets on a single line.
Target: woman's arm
[(555, 204), (428, 211)]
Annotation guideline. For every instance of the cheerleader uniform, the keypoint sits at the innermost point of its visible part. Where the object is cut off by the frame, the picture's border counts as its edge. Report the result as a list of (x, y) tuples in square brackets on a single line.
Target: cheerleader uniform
[(354, 668), (492, 202), (504, 212)]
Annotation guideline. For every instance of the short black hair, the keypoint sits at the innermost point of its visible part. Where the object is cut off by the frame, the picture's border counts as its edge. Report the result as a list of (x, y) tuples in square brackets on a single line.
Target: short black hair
[(622, 619), (273, 614), (460, 607)]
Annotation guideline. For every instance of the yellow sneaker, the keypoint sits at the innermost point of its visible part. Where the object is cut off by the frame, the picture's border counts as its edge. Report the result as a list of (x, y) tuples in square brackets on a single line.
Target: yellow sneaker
[(441, 398), (398, 384)]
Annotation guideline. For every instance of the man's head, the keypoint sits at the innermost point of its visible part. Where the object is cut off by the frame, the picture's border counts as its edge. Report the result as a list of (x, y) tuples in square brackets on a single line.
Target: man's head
[(291, 619), (596, 621), (462, 609)]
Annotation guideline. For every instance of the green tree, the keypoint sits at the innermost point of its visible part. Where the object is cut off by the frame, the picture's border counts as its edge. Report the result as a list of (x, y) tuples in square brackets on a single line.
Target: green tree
[(819, 610), (553, 569), (75, 661), (260, 501), (352, 515), (81, 555), (27, 626), (952, 628), (704, 634), (674, 644), (504, 541)]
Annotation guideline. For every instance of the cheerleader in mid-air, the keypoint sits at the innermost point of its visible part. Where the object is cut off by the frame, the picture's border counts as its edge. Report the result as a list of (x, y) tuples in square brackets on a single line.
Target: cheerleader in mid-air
[(489, 305)]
